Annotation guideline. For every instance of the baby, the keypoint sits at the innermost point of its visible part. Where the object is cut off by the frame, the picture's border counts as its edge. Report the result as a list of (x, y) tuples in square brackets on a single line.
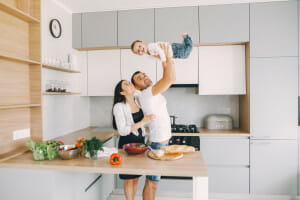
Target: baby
[(178, 50)]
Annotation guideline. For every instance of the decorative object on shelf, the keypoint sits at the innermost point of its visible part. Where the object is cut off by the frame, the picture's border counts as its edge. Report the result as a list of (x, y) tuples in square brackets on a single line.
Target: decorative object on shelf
[(55, 28), (56, 86)]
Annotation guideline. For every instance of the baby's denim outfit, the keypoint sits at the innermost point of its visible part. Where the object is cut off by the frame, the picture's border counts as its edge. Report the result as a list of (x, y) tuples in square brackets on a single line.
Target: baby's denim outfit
[(182, 50)]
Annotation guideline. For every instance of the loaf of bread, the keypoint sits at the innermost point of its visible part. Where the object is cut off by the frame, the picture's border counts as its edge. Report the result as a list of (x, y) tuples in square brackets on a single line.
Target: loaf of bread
[(179, 149), (159, 153)]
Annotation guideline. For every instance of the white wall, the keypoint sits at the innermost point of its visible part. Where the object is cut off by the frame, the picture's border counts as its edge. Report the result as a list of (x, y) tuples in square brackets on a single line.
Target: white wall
[(185, 103), (61, 114)]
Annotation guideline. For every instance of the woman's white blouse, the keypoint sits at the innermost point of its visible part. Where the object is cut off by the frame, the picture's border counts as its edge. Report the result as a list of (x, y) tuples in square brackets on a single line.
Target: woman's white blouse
[(124, 119)]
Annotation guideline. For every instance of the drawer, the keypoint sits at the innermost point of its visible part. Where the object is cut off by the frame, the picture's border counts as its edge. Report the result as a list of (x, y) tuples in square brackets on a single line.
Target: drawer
[(225, 151), (228, 179)]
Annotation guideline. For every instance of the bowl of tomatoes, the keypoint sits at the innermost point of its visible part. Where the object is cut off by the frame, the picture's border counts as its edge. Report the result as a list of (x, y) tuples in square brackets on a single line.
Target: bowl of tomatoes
[(135, 148)]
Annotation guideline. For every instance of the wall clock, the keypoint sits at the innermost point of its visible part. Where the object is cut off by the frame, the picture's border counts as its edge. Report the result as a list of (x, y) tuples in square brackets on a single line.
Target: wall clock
[(55, 28)]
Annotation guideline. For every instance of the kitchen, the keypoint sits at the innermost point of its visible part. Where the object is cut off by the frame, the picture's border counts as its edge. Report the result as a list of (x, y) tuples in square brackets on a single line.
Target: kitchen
[(266, 115)]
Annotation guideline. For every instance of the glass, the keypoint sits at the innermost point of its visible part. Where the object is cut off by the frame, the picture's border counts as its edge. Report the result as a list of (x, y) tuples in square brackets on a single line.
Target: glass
[(50, 86), (93, 154), (38, 155)]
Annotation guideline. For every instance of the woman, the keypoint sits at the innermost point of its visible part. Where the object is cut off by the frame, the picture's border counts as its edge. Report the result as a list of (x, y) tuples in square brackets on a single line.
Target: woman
[(129, 119)]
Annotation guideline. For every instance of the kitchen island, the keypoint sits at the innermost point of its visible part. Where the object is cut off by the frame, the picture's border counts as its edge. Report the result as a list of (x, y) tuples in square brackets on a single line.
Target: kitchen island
[(191, 165)]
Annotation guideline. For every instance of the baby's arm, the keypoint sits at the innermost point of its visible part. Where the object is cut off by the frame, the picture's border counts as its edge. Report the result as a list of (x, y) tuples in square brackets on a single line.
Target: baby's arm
[(156, 56)]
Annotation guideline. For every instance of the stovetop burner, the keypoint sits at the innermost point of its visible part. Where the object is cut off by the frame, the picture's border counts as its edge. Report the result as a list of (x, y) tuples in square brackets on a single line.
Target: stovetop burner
[(181, 128)]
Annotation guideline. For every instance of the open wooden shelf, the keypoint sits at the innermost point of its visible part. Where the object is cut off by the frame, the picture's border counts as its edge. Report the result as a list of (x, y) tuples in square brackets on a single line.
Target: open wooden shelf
[(19, 59), (61, 93), (19, 106), (60, 69), (18, 13), (21, 74)]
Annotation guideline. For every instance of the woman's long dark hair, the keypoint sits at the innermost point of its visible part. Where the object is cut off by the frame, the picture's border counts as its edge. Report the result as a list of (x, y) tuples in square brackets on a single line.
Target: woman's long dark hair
[(117, 99)]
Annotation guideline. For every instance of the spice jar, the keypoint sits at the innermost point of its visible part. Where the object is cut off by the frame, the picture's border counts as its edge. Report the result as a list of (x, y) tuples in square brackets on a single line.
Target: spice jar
[(50, 86)]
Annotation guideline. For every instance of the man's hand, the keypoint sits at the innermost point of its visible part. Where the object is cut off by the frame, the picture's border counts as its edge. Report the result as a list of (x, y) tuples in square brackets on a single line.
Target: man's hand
[(169, 76)]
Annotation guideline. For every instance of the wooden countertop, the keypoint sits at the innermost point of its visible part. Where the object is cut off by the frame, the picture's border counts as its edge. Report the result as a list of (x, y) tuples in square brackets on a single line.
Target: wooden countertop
[(191, 164), (106, 133)]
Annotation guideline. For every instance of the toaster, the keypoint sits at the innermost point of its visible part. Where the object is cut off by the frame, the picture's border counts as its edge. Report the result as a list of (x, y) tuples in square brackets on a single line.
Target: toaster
[(218, 122)]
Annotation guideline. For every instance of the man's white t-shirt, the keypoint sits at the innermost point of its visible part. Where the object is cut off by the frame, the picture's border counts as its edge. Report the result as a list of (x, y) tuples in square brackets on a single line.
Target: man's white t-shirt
[(160, 128)]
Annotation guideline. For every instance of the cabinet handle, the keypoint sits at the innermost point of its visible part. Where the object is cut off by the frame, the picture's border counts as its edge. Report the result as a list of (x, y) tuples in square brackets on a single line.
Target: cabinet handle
[(262, 137), (260, 142)]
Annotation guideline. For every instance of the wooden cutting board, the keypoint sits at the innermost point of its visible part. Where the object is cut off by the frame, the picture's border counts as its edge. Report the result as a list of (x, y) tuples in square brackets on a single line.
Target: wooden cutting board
[(166, 157)]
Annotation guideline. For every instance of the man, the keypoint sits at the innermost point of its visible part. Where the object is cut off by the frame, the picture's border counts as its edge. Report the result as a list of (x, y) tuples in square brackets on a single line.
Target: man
[(152, 102)]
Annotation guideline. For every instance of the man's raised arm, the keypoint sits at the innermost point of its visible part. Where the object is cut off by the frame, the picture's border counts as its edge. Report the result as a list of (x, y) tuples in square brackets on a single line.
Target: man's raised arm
[(169, 75)]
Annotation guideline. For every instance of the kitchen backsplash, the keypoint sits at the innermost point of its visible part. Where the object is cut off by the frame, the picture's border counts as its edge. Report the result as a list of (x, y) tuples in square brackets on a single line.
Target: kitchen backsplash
[(185, 103)]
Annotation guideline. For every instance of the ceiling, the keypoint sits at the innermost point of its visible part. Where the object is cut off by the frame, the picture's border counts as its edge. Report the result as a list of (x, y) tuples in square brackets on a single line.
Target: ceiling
[(76, 6)]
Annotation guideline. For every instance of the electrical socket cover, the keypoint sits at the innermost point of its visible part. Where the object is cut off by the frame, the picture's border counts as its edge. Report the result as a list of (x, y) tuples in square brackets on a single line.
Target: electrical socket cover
[(20, 134)]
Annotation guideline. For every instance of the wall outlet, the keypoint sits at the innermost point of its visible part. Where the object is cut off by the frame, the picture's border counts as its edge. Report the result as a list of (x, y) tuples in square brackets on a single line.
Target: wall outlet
[(20, 134)]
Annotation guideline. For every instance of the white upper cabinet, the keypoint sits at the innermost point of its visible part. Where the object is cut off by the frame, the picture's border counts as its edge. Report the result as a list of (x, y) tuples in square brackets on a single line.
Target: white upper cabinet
[(274, 98), (224, 23), (103, 72), (131, 63), (274, 29), (135, 25), (186, 69), (222, 70), (170, 23), (76, 30)]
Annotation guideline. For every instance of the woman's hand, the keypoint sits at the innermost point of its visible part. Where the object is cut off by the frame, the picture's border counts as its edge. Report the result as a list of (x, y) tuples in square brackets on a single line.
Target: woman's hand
[(148, 118)]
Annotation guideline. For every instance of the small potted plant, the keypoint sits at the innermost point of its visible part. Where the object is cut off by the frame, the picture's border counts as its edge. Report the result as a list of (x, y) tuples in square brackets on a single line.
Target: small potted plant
[(92, 146)]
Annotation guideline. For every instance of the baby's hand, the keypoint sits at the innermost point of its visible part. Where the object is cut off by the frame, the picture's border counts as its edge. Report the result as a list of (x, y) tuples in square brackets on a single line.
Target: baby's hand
[(184, 34)]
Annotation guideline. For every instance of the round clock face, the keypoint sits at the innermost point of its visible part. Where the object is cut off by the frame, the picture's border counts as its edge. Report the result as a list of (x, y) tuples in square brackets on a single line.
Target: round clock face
[(55, 28)]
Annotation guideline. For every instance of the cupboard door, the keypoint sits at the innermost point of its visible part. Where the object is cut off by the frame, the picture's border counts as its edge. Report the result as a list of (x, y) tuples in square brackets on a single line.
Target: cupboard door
[(274, 98), (274, 29), (186, 69), (76, 30), (224, 23), (225, 151), (170, 23), (131, 63), (228, 179), (222, 70), (135, 25), (103, 72), (273, 167), (99, 29)]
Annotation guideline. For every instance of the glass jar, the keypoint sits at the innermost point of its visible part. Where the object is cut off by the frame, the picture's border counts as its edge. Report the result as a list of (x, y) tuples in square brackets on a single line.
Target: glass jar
[(93, 154), (50, 86), (38, 155)]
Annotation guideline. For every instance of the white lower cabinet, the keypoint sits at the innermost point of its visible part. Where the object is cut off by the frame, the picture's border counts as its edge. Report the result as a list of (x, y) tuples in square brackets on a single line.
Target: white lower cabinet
[(225, 151), (227, 161), (103, 72), (107, 181), (231, 179), (273, 167)]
